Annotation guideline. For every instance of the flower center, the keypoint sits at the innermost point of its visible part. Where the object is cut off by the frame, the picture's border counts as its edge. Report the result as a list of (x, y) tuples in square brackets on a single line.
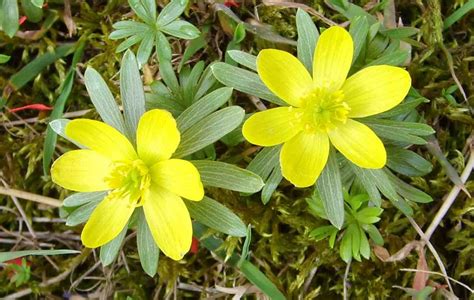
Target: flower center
[(323, 109), (130, 179)]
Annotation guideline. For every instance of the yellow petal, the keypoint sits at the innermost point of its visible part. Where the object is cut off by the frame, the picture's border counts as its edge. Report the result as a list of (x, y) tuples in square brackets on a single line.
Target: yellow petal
[(169, 222), (82, 171), (179, 177), (376, 89), (284, 75), (303, 158), (359, 144), (157, 136), (101, 138), (272, 127), (332, 58), (107, 220)]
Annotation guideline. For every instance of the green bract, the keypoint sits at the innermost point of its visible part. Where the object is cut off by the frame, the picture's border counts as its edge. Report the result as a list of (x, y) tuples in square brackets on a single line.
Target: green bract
[(151, 29)]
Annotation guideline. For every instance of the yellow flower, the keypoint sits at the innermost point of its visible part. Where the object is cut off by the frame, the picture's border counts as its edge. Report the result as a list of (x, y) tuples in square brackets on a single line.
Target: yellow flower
[(323, 107), (143, 177)]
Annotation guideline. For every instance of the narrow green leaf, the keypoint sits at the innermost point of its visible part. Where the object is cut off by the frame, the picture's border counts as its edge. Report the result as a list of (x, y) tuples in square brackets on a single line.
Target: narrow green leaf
[(458, 14), (359, 30), (244, 81), (400, 32), (251, 272), (129, 42), (5, 256), (59, 126), (227, 176), (330, 190), (82, 213), (109, 252), (32, 69), (243, 58), (203, 107), (147, 249), (396, 58), (51, 136), (193, 47), (374, 234), (38, 3), (192, 82), (171, 12), (209, 130), (408, 132), (181, 29), (265, 161), (163, 50), (131, 90), (364, 244), (345, 248), (145, 48), (103, 100), (407, 191), (79, 199), (271, 184), (145, 9), (307, 38), (368, 184), (216, 216), (10, 17), (407, 162)]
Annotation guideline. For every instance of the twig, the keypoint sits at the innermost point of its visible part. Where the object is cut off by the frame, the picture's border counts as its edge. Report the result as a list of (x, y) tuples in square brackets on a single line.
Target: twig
[(346, 274), (450, 198), (437, 273), (30, 196), (433, 251), (303, 7), (76, 262)]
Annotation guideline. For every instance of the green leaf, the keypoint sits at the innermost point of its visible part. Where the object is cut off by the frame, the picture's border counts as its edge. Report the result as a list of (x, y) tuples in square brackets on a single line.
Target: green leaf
[(216, 216), (369, 215), (129, 42), (145, 48), (103, 100), (307, 38), (407, 162), (209, 130), (406, 106), (271, 184), (364, 244), (400, 32), (82, 213), (407, 132), (32, 69), (396, 58), (128, 28), (345, 248), (109, 252), (171, 12), (79, 199), (458, 14), (5, 256), (66, 87), (4, 58), (10, 17), (147, 249), (33, 12), (265, 161), (131, 90), (227, 176), (407, 191), (193, 47), (359, 30), (322, 232), (243, 58), (203, 107), (181, 29), (145, 9), (330, 190), (244, 81), (38, 3), (163, 50), (374, 234)]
